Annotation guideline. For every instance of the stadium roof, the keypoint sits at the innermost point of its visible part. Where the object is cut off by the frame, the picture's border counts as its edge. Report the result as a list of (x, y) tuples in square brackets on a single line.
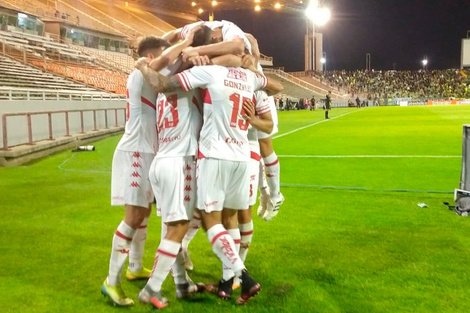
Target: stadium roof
[(185, 6)]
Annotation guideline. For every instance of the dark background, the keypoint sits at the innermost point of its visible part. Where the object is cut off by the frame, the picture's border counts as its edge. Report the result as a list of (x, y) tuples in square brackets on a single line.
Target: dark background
[(397, 33)]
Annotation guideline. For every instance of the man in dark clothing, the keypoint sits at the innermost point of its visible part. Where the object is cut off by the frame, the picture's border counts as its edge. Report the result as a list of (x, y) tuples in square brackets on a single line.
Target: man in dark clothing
[(327, 104), (312, 103)]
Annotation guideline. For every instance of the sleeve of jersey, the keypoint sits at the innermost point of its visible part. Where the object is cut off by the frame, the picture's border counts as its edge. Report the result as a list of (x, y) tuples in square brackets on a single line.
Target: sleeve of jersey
[(262, 103), (195, 77), (260, 82)]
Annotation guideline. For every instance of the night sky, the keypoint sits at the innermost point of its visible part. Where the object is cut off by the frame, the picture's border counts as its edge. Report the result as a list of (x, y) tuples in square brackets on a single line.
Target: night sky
[(397, 33)]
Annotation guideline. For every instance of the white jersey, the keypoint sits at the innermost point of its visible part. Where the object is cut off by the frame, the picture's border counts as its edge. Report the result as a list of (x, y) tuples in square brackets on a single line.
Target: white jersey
[(261, 106), (229, 31), (224, 131), (179, 122), (140, 133)]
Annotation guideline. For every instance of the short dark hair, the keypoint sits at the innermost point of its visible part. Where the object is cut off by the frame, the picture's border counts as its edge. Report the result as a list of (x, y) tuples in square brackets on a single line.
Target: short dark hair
[(202, 36), (150, 43)]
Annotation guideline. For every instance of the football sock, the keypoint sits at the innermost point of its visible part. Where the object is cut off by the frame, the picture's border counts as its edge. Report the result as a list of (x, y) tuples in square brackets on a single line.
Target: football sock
[(194, 226), (121, 243), (227, 272), (164, 259), (246, 235), (273, 170), (136, 253), (177, 269), (224, 247), (262, 183)]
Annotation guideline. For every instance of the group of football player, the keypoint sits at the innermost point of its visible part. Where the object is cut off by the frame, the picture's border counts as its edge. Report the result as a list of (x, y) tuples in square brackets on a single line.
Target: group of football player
[(200, 116)]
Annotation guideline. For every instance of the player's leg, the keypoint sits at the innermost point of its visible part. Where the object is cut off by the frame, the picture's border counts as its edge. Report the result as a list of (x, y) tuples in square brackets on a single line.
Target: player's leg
[(238, 197), (165, 257), (132, 192), (135, 269), (263, 189), (273, 169), (193, 228)]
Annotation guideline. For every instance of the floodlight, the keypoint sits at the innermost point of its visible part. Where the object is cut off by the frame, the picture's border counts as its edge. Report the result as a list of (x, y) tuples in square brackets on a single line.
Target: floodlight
[(323, 60), (277, 6), (214, 3), (425, 62), (200, 11), (193, 4), (257, 8), (319, 16)]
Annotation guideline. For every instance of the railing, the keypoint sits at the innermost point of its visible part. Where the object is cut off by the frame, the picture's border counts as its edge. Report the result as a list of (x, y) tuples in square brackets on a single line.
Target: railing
[(65, 127), (299, 82), (10, 93)]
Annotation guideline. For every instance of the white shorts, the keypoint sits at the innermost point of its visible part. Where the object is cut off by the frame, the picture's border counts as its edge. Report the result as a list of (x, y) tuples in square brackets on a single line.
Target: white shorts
[(129, 179), (254, 177), (174, 184), (222, 184), (272, 106)]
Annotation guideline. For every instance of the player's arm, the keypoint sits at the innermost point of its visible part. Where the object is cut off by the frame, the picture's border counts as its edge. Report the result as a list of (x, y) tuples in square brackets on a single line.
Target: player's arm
[(262, 122), (173, 36), (273, 87), (234, 46), (254, 47), (170, 54), (159, 82)]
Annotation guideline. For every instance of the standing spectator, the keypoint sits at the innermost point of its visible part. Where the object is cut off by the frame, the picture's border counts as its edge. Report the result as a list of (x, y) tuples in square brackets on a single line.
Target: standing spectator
[(358, 102), (327, 105), (312, 103)]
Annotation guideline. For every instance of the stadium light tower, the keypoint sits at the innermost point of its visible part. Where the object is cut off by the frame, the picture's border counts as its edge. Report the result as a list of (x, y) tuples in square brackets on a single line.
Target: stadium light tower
[(323, 61), (425, 63), (316, 15)]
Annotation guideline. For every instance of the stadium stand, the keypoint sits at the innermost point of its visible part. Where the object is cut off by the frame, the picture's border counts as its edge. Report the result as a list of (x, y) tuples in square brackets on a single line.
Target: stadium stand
[(15, 74), (383, 84), (298, 88)]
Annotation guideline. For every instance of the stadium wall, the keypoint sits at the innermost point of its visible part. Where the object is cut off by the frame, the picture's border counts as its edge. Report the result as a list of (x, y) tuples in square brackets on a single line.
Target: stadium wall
[(95, 126)]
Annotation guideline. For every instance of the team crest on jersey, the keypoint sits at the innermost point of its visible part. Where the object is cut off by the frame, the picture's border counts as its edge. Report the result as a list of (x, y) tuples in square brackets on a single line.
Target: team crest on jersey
[(237, 74)]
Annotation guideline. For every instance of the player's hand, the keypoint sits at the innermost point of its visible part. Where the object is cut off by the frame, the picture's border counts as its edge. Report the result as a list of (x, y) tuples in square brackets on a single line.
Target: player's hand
[(141, 63), (190, 37), (188, 52), (199, 60), (249, 62), (248, 111)]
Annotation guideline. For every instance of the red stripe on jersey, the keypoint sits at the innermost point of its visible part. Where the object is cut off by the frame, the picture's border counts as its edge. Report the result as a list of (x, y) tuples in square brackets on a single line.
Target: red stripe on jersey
[(167, 253), (183, 81), (255, 156), (246, 233), (263, 110), (119, 234), (206, 96), (237, 241), (200, 155), (274, 163), (147, 102), (218, 235)]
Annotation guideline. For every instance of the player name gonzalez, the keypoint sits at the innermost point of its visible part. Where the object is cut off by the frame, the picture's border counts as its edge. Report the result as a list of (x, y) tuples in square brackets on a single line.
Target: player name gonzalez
[(238, 86)]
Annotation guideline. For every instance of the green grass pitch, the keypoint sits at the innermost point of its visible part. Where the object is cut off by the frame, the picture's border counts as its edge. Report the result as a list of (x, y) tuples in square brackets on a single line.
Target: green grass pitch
[(349, 238)]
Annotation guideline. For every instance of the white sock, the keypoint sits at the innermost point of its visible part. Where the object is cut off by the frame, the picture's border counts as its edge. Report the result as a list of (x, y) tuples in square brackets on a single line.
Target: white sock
[(194, 226), (224, 247), (136, 254), (177, 270), (227, 272), (121, 244), (164, 259), (273, 169), (246, 235), (262, 183)]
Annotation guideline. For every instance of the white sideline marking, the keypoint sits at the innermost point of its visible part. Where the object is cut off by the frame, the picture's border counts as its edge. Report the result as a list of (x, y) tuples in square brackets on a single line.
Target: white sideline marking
[(372, 156), (62, 168), (313, 124)]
